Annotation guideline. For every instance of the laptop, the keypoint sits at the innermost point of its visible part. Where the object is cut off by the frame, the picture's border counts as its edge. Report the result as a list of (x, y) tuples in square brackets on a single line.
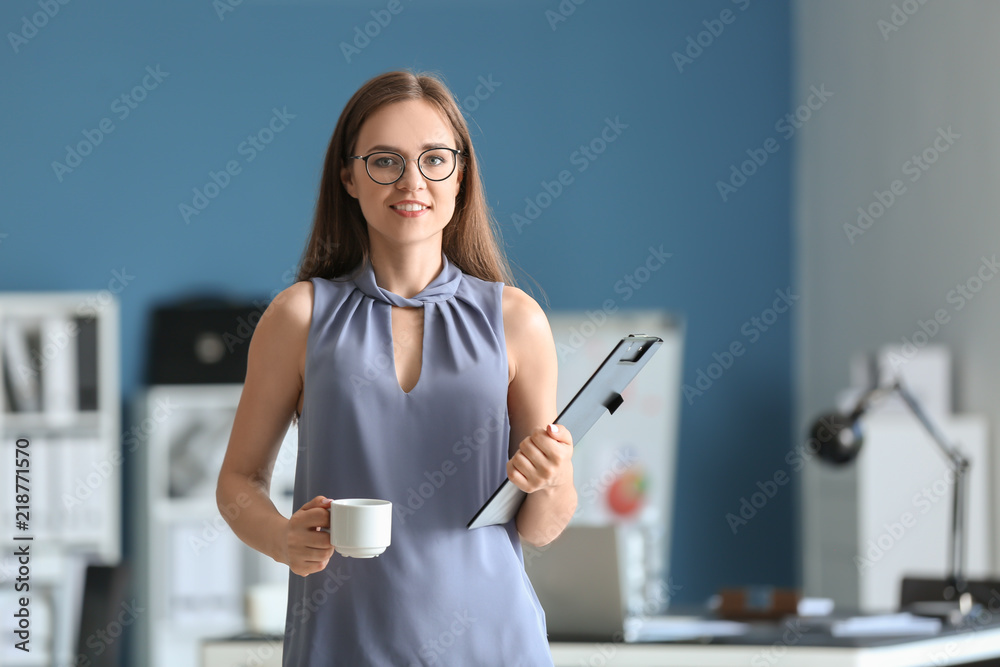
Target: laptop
[(578, 579), (582, 582)]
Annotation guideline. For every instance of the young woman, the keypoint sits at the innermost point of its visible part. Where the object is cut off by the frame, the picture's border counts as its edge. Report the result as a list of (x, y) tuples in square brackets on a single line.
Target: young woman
[(416, 376)]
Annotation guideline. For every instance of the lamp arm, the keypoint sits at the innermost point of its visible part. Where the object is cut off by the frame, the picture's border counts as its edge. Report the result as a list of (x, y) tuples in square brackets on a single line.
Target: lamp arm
[(959, 504), (957, 586), (870, 398), (954, 455)]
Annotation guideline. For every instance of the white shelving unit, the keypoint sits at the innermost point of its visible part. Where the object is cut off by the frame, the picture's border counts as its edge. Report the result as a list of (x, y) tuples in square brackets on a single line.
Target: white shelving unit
[(191, 570), (60, 390)]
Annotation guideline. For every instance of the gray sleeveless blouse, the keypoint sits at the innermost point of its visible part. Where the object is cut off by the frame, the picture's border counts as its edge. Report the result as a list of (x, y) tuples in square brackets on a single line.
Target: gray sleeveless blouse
[(440, 594)]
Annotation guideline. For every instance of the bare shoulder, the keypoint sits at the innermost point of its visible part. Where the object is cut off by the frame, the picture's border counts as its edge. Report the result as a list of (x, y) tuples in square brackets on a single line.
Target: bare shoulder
[(294, 304), (272, 390), (286, 320), (522, 315), (526, 327)]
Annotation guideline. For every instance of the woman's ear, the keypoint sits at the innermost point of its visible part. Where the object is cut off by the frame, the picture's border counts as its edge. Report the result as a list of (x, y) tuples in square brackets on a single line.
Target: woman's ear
[(347, 178)]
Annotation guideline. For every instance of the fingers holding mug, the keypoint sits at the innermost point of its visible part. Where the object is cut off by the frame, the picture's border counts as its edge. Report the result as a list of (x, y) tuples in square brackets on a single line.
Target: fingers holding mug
[(307, 544)]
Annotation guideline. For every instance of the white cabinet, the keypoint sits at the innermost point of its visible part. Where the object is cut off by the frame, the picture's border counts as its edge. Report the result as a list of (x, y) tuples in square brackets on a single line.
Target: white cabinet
[(192, 571), (60, 403)]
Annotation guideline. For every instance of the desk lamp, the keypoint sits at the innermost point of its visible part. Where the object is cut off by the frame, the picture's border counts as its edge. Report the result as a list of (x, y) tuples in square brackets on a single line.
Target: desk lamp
[(840, 437)]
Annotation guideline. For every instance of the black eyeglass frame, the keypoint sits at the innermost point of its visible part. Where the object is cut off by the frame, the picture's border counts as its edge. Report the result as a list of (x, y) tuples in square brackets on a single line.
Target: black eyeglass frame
[(458, 154)]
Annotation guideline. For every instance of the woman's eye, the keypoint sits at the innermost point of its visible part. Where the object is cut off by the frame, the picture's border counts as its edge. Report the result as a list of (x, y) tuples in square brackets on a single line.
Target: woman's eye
[(385, 162)]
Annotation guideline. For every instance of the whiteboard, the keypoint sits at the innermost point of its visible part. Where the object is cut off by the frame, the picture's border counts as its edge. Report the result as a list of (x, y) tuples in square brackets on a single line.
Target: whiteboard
[(624, 469)]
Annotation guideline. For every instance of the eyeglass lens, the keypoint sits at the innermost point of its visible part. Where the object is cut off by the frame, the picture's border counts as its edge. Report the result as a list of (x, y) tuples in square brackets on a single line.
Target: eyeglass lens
[(435, 165)]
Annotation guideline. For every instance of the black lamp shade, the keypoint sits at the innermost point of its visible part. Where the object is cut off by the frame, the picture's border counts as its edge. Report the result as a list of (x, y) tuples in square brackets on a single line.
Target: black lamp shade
[(836, 438)]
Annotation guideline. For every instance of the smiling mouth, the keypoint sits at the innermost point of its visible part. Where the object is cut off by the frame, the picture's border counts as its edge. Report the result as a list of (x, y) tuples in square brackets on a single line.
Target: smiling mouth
[(409, 207)]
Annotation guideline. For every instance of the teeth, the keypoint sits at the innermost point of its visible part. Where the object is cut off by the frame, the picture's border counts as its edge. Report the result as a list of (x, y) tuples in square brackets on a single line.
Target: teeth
[(409, 207)]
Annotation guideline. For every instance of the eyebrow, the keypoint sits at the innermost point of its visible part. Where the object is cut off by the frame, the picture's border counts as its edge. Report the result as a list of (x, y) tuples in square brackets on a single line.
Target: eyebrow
[(395, 149)]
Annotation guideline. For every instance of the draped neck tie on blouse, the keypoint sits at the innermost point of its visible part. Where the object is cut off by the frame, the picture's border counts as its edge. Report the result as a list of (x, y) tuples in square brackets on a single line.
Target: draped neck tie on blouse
[(443, 287)]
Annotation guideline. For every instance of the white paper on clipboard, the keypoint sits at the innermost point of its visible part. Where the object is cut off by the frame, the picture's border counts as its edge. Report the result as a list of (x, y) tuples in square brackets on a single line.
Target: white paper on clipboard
[(600, 393)]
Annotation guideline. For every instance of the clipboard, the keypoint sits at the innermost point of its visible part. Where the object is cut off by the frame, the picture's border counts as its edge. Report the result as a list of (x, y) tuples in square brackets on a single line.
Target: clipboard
[(601, 392)]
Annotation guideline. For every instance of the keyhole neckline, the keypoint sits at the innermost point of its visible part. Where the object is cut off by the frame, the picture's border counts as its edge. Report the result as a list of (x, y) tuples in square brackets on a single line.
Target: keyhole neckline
[(423, 347), (443, 287)]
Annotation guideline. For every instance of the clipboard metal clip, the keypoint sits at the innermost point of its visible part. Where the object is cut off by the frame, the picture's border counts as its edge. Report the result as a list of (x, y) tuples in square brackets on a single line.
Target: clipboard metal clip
[(614, 400)]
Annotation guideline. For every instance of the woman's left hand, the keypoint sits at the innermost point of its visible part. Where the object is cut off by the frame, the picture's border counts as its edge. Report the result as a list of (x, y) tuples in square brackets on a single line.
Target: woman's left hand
[(543, 460)]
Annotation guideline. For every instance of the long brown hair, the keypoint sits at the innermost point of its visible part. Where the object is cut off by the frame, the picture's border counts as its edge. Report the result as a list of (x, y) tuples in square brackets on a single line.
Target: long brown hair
[(338, 242)]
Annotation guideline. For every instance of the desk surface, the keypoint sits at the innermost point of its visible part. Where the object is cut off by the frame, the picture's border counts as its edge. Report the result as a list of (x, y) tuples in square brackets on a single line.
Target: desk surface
[(965, 647)]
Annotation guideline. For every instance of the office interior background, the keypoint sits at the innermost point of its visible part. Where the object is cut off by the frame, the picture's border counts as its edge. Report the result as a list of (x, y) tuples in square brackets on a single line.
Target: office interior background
[(739, 136)]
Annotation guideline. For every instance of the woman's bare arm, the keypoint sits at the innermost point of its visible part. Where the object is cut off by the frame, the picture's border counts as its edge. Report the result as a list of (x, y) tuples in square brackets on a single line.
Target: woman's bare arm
[(270, 397), (541, 463)]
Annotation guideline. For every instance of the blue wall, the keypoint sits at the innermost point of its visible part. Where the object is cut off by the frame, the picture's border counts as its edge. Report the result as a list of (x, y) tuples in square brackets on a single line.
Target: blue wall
[(555, 86)]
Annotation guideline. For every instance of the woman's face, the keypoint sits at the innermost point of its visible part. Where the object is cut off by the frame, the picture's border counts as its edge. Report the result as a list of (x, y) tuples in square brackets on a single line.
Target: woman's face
[(408, 128)]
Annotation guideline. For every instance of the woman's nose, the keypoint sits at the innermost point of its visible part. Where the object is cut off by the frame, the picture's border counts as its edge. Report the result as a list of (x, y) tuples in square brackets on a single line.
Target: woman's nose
[(411, 179)]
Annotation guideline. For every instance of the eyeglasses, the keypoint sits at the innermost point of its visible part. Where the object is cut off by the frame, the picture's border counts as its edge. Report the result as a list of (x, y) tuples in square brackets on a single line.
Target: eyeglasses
[(385, 168)]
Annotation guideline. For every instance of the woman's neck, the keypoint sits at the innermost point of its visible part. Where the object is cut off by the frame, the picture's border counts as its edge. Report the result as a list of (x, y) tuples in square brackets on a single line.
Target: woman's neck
[(406, 271)]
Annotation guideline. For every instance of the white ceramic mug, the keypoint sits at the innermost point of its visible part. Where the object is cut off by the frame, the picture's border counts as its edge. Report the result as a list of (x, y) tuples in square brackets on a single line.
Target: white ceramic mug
[(360, 527)]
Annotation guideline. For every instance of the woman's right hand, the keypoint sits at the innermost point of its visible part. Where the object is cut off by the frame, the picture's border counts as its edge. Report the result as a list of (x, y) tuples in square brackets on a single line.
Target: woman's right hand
[(307, 546)]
